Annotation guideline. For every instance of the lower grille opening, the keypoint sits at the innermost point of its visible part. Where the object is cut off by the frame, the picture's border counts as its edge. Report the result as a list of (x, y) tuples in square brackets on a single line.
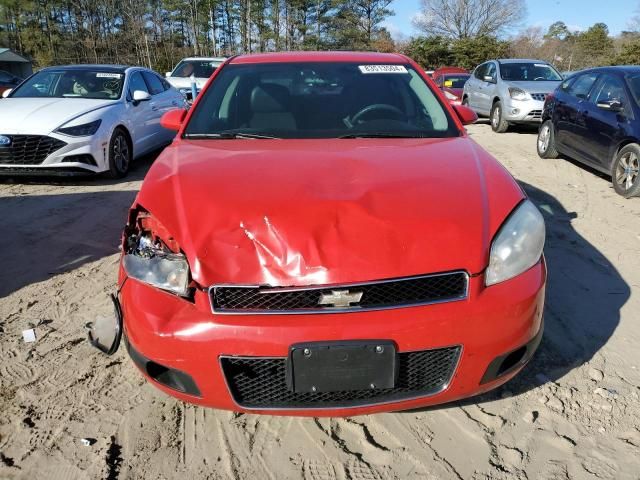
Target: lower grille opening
[(257, 382)]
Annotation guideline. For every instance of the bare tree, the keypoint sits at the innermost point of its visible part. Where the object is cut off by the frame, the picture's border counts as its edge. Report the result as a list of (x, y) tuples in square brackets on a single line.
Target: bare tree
[(469, 18)]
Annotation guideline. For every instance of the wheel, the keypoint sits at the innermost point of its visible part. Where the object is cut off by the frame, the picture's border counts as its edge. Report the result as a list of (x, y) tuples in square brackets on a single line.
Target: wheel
[(498, 123), (626, 171), (546, 141), (119, 154)]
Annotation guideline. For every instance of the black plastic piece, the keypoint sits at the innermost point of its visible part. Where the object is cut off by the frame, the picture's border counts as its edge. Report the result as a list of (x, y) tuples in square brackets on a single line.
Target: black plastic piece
[(342, 366), (512, 360), (117, 311), (169, 377), (261, 382)]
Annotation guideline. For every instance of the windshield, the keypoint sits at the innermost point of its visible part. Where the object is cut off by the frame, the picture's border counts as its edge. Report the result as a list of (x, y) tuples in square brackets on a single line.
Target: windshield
[(72, 84), (455, 81), (197, 68), (529, 72), (319, 100)]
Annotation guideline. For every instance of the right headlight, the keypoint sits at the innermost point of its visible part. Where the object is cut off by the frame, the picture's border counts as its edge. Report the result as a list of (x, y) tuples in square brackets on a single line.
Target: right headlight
[(517, 246), (518, 94), (152, 256)]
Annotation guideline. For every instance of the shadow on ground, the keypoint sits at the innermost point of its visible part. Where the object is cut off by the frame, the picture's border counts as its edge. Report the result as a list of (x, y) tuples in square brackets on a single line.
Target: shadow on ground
[(47, 234), (584, 292)]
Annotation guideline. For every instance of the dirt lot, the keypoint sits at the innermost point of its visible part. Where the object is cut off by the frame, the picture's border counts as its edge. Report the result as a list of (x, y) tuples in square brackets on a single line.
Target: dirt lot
[(573, 413)]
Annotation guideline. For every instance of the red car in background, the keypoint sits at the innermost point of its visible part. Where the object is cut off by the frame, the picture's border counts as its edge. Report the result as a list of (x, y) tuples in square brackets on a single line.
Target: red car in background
[(323, 238), (451, 81)]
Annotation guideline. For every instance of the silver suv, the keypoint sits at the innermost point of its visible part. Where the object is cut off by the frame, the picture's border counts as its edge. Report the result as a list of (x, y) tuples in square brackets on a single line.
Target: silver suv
[(510, 91)]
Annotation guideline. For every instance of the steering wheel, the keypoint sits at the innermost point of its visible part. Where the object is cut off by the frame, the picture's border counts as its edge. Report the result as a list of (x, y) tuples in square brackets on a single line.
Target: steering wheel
[(377, 106)]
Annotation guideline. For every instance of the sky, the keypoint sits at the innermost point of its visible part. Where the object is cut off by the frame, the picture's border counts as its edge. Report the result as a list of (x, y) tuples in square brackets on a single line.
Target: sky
[(577, 14)]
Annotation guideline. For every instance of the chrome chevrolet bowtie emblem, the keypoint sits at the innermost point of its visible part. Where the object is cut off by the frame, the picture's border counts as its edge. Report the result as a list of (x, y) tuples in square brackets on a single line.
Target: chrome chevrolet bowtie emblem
[(340, 298)]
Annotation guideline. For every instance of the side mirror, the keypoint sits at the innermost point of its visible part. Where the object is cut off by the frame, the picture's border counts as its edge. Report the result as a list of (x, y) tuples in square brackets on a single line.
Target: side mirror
[(611, 105), (6, 93), (167, 74), (172, 120), (141, 96), (489, 79), (465, 114)]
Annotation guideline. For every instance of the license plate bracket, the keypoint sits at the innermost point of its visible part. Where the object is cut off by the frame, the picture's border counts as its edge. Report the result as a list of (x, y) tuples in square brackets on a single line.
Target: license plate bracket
[(342, 366)]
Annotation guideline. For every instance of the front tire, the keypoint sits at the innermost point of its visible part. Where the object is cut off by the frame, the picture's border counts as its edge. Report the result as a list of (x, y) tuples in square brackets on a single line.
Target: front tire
[(626, 171), (546, 142), (498, 123), (119, 154)]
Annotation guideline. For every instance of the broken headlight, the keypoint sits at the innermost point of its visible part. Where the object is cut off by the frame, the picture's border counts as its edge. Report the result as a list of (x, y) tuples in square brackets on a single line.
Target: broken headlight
[(153, 257)]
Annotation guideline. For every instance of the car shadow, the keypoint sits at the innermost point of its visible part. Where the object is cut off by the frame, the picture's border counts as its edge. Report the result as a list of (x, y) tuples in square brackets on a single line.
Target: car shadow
[(584, 296), (48, 234)]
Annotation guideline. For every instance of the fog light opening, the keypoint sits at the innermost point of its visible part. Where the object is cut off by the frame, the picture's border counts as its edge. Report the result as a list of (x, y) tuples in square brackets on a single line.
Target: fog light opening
[(512, 360)]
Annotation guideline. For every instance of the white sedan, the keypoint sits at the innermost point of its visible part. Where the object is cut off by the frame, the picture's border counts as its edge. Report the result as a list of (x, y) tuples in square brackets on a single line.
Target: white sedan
[(84, 119)]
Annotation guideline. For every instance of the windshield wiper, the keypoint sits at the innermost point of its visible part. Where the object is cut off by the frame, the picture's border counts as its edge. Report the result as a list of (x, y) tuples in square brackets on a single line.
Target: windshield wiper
[(227, 135), (381, 135)]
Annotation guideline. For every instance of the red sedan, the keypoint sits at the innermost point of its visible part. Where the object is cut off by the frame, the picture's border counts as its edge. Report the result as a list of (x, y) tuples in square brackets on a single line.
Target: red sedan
[(323, 238)]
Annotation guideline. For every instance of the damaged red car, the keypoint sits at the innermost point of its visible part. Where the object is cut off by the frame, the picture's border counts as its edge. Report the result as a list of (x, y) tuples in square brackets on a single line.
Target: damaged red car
[(323, 238)]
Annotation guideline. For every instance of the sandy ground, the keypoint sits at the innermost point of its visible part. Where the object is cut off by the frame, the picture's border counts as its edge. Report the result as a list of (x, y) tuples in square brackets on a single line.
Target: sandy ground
[(573, 413)]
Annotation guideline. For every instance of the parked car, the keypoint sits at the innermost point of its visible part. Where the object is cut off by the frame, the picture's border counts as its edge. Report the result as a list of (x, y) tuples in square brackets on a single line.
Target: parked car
[(510, 91), (451, 81), (303, 247), (84, 119), (594, 117), (200, 68), (8, 81)]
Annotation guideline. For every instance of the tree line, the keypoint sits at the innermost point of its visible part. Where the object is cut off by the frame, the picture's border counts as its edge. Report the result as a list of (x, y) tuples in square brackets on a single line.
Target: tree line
[(157, 33)]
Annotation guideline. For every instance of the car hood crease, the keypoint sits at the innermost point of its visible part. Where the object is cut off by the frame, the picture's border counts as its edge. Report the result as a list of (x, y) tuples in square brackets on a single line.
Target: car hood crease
[(329, 211)]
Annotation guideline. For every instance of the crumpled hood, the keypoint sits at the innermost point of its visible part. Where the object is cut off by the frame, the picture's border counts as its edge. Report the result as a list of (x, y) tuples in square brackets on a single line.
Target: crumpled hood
[(185, 82), (41, 116), (302, 212), (534, 87)]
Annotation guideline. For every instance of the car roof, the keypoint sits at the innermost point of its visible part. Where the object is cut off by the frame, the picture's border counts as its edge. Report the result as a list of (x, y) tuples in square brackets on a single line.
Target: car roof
[(613, 69), (328, 56), (215, 59), (521, 60), (105, 68)]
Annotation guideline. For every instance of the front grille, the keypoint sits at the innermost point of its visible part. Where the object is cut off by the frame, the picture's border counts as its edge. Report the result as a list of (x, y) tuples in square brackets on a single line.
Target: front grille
[(257, 382), (395, 293), (28, 149), (539, 96)]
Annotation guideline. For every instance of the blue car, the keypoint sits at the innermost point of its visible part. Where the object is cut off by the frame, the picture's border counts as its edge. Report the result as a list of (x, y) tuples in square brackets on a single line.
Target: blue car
[(594, 118)]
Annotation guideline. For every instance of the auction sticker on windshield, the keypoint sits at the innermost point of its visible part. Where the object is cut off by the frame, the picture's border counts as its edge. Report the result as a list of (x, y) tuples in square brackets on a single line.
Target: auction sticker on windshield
[(382, 69), (108, 75)]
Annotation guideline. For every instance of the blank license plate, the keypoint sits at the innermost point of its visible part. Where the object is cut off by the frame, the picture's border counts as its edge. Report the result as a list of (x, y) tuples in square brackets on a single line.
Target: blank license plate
[(342, 366)]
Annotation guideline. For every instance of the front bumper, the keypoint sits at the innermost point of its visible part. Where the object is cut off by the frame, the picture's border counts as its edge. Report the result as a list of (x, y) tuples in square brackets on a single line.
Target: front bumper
[(525, 111), (171, 334), (79, 155)]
